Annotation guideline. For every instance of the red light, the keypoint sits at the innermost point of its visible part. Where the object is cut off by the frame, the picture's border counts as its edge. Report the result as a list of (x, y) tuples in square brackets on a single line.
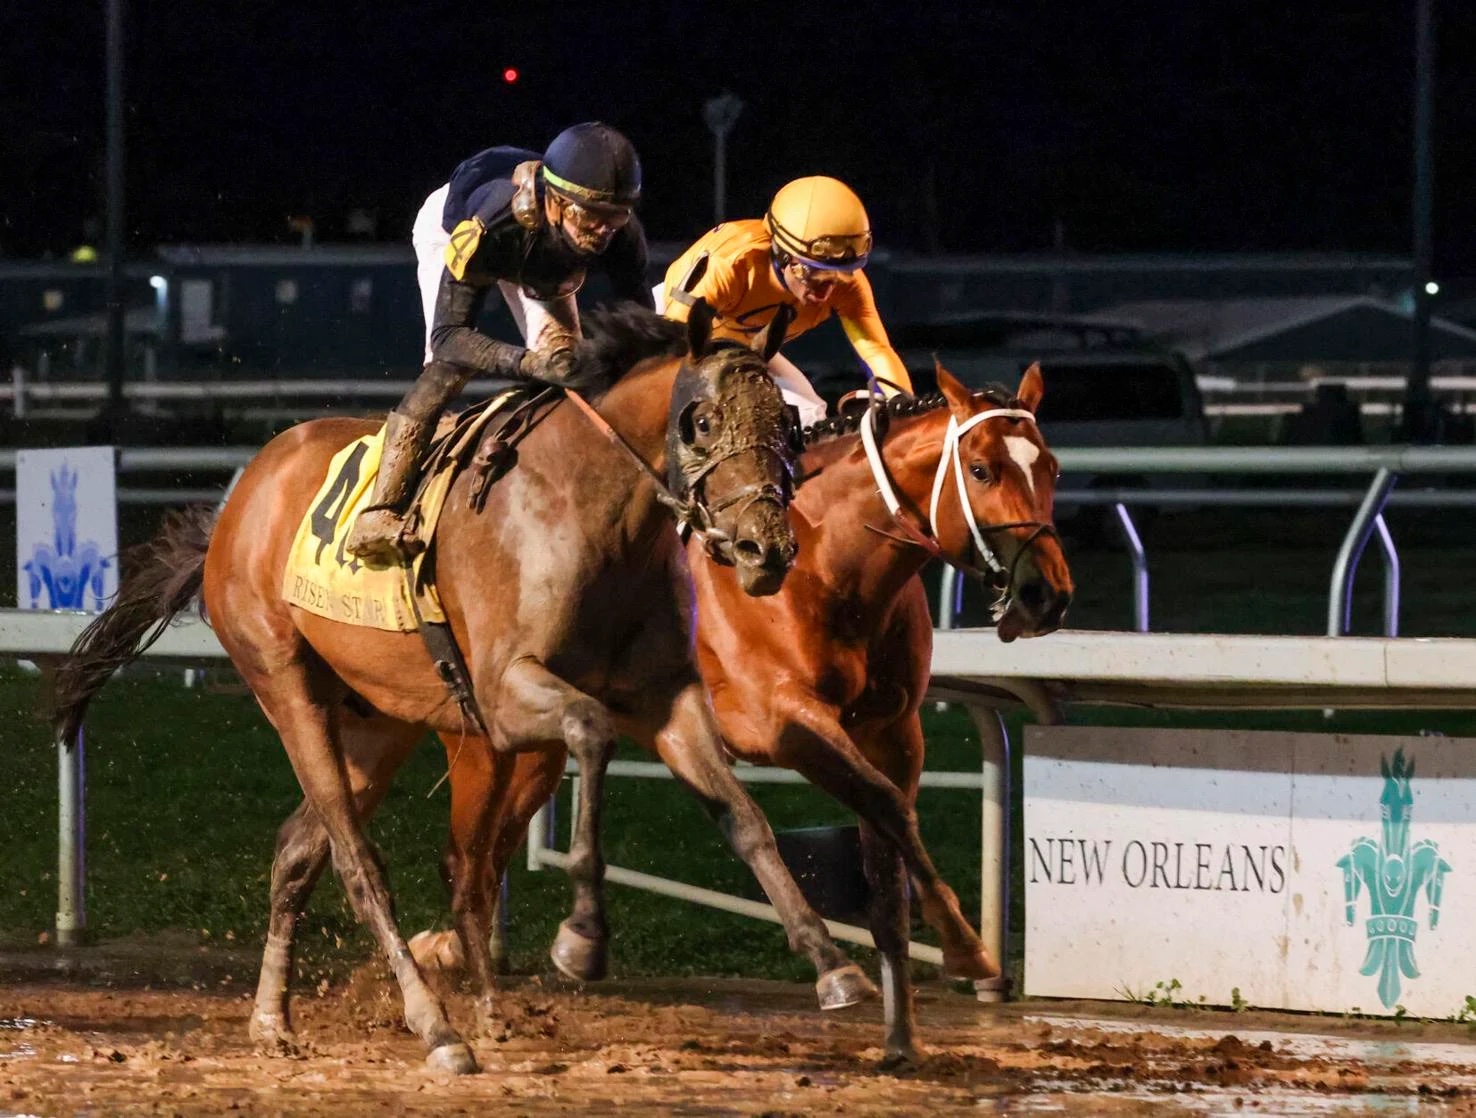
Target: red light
[(510, 75)]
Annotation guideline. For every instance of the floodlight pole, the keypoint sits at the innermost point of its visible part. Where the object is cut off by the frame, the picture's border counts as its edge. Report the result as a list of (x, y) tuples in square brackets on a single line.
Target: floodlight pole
[(1419, 408), (721, 113), (114, 347)]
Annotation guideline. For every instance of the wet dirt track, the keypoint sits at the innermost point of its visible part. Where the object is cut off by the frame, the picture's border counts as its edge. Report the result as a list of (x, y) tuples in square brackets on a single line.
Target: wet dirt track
[(701, 1047)]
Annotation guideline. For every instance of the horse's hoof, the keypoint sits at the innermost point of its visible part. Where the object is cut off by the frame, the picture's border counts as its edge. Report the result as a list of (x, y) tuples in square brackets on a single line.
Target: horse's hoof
[(901, 1060), (437, 951), (577, 956), (975, 963), (455, 1058), (844, 986)]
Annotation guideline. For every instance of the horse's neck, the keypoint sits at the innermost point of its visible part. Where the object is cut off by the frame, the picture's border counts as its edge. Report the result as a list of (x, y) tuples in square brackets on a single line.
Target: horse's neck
[(849, 514), (637, 405)]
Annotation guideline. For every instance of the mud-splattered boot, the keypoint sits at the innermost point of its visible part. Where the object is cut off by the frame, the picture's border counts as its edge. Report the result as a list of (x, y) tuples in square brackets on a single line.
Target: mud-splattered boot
[(378, 536)]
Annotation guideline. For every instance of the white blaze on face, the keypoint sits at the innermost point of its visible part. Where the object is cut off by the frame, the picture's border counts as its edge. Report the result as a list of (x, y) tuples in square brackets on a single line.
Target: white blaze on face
[(1024, 452)]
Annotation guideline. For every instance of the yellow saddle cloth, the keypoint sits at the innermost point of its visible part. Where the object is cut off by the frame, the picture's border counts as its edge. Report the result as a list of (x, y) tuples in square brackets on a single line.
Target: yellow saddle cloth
[(322, 578)]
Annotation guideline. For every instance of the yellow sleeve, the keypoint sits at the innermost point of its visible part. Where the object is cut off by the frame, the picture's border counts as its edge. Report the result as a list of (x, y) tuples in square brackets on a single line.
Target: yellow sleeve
[(868, 337)]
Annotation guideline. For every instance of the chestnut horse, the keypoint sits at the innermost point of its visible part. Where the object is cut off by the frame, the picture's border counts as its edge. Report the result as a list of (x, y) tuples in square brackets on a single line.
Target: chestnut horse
[(571, 599), (827, 676)]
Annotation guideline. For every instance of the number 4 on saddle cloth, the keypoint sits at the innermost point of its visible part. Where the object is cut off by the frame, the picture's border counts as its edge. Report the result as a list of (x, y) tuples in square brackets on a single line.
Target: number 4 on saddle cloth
[(322, 578)]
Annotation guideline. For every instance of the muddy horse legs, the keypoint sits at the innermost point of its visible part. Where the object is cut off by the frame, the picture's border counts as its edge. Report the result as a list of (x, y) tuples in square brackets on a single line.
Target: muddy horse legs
[(305, 710), (691, 747)]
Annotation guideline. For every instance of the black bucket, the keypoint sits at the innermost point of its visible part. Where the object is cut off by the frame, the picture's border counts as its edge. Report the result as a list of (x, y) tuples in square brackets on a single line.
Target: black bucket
[(826, 864)]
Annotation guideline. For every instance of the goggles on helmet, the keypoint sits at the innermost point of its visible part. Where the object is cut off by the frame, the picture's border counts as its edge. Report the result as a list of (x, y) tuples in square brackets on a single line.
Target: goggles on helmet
[(844, 252), (590, 217)]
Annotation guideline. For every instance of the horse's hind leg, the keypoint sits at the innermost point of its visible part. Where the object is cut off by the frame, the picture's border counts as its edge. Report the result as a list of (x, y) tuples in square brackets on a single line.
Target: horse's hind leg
[(888, 917), (690, 745), (373, 751), (302, 852), (302, 705), (534, 705)]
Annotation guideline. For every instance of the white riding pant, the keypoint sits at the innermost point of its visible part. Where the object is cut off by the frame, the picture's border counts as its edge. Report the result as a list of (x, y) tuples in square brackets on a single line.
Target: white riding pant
[(537, 319), (793, 384)]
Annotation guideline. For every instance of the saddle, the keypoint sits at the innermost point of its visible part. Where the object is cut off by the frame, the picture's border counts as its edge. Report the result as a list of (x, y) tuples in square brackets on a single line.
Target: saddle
[(321, 578)]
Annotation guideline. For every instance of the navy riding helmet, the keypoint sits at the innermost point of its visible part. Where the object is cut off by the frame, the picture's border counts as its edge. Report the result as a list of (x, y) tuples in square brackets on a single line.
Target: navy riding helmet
[(594, 165)]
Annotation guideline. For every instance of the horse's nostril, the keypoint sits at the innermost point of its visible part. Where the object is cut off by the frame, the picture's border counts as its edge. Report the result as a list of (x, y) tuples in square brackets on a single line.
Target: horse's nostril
[(748, 550), (1032, 596)]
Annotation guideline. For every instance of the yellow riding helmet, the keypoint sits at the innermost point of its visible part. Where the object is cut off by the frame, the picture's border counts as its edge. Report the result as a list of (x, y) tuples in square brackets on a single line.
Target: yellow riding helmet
[(820, 222)]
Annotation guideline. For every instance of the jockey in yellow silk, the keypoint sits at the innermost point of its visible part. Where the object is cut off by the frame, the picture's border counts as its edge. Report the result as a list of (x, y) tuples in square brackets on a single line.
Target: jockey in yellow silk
[(808, 252)]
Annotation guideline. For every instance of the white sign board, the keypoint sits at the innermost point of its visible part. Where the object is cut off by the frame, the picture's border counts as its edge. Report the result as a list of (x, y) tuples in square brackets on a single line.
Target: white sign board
[(66, 528), (1307, 871)]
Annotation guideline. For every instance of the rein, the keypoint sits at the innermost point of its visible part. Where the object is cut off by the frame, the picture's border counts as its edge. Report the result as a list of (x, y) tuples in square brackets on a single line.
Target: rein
[(693, 517), (923, 535)]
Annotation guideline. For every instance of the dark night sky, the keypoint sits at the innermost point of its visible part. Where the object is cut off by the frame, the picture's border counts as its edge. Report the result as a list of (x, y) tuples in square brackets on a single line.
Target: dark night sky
[(1141, 126)]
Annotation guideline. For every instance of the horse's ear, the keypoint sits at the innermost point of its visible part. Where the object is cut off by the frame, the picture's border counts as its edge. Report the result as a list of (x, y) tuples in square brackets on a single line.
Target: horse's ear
[(768, 340), (959, 397), (699, 328), (1032, 388)]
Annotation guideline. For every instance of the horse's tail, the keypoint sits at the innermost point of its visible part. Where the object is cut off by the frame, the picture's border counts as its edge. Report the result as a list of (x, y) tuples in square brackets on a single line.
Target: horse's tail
[(164, 577)]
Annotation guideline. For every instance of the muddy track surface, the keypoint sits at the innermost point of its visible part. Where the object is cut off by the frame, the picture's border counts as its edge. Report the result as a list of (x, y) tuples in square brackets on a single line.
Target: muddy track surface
[(95, 1045)]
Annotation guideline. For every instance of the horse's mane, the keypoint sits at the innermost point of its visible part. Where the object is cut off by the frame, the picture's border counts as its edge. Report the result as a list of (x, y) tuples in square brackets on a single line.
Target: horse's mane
[(618, 338), (849, 421)]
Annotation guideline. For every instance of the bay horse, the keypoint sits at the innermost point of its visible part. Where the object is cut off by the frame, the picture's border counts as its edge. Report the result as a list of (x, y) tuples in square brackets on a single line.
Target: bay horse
[(827, 676), (570, 596)]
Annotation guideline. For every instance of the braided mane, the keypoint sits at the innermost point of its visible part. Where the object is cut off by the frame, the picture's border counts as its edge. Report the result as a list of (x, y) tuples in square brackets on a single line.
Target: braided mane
[(898, 407)]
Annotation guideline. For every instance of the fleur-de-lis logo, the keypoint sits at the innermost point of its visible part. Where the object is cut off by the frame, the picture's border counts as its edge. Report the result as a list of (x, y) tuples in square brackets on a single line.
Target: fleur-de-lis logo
[(63, 569), (1394, 872)]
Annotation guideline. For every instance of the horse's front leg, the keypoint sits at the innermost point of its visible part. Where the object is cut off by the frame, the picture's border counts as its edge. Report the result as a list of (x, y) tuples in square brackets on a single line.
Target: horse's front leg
[(690, 745), (816, 746), (535, 705)]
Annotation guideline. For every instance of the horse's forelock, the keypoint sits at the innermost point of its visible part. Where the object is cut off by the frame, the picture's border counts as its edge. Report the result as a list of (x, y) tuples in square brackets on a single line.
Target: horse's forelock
[(899, 407)]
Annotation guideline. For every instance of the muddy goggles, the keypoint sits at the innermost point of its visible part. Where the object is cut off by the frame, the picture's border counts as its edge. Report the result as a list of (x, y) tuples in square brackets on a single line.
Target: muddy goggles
[(592, 217)]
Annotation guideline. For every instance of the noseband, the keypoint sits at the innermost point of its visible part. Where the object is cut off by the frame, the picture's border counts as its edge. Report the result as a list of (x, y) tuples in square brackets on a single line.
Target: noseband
[(924, 535)]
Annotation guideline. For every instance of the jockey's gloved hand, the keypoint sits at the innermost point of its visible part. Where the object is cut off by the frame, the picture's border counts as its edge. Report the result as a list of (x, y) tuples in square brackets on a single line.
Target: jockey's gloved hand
[(563, 368)]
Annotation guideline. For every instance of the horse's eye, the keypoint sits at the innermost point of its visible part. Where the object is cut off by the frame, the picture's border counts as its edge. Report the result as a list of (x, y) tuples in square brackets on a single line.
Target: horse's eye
[(703, 424), (979, 471)]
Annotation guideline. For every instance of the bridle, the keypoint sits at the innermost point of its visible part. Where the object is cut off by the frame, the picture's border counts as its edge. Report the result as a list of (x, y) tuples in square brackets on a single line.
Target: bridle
[(695, 516), (924, 535)]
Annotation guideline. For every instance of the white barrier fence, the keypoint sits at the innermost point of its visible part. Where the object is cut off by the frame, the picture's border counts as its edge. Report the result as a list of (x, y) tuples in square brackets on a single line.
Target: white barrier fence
[(974, 669)]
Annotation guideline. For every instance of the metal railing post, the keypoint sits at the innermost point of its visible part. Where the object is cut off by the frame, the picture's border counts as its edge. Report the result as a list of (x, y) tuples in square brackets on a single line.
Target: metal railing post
[(1391, 577), (71, 879), (994, 846), (542, 832), (950, 594), (1340, 596), (1140, 565)]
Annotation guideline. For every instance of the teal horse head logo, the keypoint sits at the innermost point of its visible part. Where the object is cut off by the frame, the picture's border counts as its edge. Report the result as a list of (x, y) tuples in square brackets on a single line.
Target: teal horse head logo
[(1394, 872)]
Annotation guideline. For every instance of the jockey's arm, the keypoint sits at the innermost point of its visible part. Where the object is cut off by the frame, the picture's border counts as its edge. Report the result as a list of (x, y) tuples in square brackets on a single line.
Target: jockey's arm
[(857, 311), (455, 337)]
